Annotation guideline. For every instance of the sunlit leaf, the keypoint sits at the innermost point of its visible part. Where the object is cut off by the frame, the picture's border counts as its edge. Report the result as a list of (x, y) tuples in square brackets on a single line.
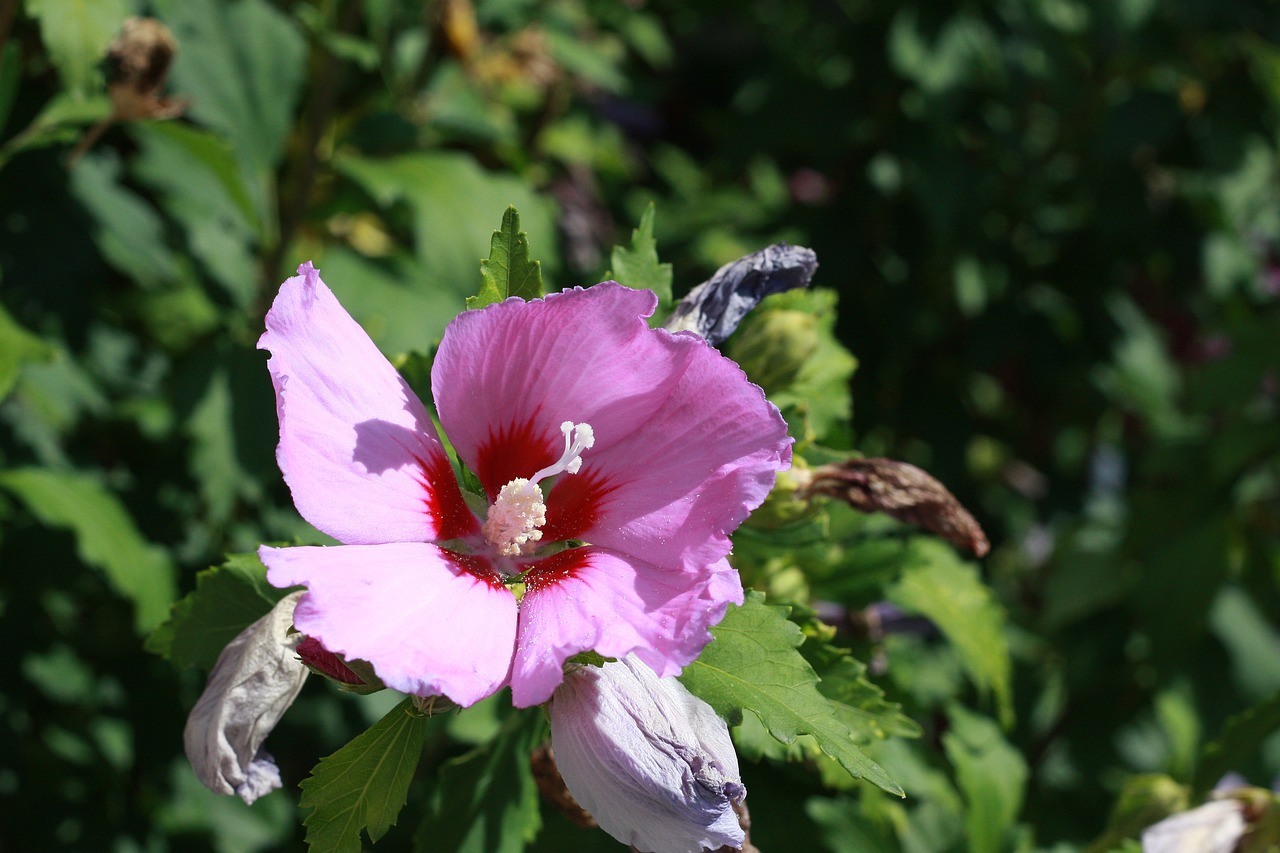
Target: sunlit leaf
[(508, 271), (755, 664), (363, 786), (637, 266)]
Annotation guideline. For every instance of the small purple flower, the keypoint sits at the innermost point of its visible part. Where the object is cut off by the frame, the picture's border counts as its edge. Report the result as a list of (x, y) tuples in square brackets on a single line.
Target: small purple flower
[(651, 762), (582, 424)]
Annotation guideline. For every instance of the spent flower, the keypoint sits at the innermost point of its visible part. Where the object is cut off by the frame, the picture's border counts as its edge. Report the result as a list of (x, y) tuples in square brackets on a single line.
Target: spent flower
[(651, 762)]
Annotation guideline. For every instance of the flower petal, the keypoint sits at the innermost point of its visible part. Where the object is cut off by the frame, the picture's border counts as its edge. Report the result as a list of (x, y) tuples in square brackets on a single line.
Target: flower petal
[(673, 490), (430, 621), (357, 448), (508, 375), (591, 599)]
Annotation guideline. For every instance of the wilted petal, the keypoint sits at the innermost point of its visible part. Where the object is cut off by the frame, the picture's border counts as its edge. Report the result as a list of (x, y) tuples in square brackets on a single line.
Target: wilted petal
[(591, 599), (253, 683), (429, 621), (1215, 827), (652, 763), (508, 375), (357, 448)]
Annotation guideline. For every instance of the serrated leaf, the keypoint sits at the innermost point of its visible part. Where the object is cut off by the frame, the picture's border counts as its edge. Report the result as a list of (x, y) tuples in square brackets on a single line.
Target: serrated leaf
[(364, 785), (1240, 741), (951, 594), (508, 271), (755, 664), (487, 800), (226, 599), (638, 266), (106, 537), (860, 703), (17, 347)]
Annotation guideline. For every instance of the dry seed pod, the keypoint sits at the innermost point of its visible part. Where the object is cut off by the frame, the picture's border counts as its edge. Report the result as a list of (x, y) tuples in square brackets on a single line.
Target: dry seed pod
[(903, 491)]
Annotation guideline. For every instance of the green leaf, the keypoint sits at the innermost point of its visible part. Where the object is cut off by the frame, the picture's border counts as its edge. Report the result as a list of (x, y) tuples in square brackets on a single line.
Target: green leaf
[(126, 228), (452, 201), (364, 785), (508, 271), (991, 774), (638, 266), (226, 599), (77, 34), (487, 800), (242, 65), (951, 594), (754, 663), (106, 537), (17, 347), (1239, 743)]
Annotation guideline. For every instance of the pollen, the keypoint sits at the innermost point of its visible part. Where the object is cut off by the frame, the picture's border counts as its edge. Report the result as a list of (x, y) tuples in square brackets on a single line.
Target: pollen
[(515, 517)]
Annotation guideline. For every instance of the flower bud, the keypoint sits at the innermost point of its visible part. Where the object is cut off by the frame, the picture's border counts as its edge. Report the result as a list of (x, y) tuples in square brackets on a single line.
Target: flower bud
[(254, 682), (651, 762)]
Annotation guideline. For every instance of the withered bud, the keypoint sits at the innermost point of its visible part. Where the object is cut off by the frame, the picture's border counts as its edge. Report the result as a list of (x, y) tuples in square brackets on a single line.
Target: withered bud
[(902, 491), (551, 784), (714, 308), (137, 67)]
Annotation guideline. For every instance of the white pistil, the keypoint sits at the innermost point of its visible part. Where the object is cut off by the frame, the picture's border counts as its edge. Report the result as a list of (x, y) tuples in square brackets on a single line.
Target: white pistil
[(519, 510)]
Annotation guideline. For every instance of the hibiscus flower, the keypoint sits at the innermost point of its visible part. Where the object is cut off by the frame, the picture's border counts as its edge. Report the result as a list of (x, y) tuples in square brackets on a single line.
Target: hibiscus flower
[(615, 461)]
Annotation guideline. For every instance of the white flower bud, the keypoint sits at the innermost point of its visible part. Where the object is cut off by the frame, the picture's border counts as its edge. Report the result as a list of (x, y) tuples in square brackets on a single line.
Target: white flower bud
[(254, 682), (651, 762), (1215, 827)]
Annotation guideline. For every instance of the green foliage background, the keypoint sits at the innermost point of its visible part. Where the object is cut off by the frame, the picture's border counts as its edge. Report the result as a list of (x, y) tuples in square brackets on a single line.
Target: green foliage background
[(1053, 229)]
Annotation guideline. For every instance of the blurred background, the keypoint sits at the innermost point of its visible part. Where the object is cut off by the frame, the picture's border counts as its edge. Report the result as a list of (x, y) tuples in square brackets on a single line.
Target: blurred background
[(1052, 232)]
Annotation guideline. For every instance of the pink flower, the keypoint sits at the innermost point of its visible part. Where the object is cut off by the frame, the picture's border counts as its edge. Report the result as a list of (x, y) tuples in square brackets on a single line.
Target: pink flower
[(583, 426)]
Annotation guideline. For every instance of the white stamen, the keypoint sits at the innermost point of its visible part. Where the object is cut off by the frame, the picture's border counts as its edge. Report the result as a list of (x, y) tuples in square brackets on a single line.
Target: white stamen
[(577, 438), (515, 517), (519, 510)]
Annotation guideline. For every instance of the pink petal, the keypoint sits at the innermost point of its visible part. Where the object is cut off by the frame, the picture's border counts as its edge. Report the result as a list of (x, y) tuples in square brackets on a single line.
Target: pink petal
[(430, 621), (591, 599), (508, 375), (673, 490), (357, 448)]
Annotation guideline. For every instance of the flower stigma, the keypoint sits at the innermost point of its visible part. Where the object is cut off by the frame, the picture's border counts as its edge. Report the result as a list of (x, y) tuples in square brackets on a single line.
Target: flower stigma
[(519, 510)]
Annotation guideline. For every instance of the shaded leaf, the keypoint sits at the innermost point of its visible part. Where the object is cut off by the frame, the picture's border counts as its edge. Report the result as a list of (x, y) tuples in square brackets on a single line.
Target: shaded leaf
[(76, 33), (106, 536), (952, 595), (452, 201), (364, 785), (226, 599), (754, 663), (508, 271), (991, 774), (487, 800), (17, 347), (1240, 741)]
